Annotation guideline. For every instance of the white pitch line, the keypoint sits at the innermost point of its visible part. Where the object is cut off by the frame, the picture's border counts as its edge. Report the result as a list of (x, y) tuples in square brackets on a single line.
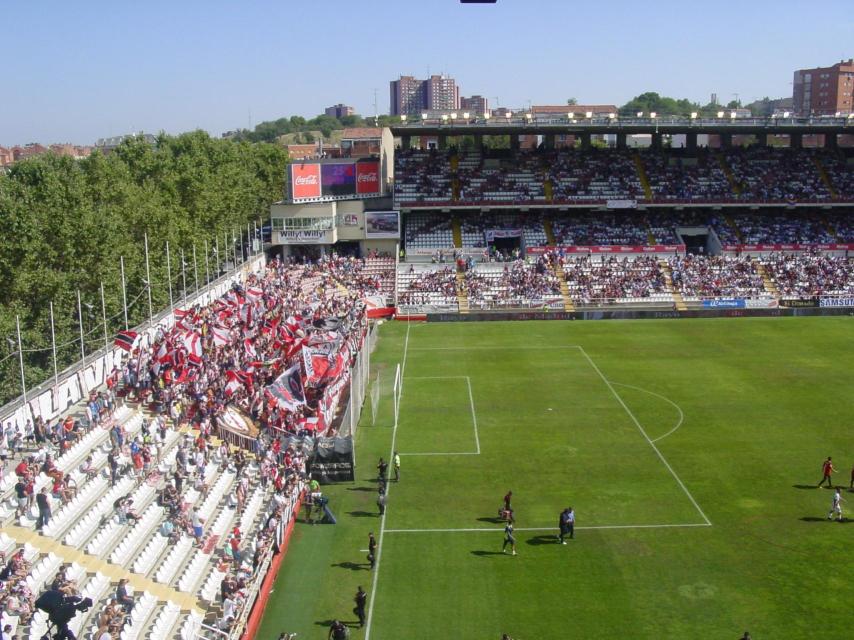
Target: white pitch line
[(658, 395), (641, 429), (388, 491), (436, 377), (441, 453), (586, 528), (498, 348), (473, 415)]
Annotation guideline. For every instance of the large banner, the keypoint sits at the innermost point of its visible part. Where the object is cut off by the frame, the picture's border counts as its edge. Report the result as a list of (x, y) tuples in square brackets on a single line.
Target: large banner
[(621, 204), (492, 234), (368, 178), (305, 236), (837, 302), (304, 181), (382, 224), (656, 248), (788, 247)]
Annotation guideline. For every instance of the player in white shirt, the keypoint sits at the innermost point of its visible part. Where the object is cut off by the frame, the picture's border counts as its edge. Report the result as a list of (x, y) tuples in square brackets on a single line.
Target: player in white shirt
[(836, 505)]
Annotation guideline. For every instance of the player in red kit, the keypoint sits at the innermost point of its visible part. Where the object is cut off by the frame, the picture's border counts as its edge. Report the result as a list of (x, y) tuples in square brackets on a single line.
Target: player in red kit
[(827, 470)]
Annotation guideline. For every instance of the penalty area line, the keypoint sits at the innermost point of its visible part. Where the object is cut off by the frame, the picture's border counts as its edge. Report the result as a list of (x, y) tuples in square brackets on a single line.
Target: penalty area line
[(580, 528)]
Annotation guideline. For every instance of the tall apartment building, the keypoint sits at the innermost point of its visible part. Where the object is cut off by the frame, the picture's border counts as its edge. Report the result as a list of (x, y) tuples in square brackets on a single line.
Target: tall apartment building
[(824, 90), (339, 111), (476, 105), (411, 96)]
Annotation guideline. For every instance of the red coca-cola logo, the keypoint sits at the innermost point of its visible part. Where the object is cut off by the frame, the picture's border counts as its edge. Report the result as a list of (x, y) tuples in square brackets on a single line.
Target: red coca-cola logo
[(367, 177), (305, 181)]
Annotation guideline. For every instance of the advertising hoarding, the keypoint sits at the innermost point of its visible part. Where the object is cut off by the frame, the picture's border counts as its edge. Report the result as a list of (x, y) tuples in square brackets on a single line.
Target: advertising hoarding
[(368, 178), (304, 181), (382, 224)]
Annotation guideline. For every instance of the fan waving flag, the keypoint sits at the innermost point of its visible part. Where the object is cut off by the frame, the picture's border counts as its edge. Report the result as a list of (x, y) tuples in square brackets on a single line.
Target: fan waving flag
[(254, 293), (287, 390), (193, 344), (220, 336), (126, 339)]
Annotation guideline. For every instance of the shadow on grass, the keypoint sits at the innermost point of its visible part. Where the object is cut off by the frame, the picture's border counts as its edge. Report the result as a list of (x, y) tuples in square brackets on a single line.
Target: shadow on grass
[(487, 553), (366, 489), (804, 486), (328, 623), (825, 519), (362, 514), (538, 540), (352, 566), (492, 520)]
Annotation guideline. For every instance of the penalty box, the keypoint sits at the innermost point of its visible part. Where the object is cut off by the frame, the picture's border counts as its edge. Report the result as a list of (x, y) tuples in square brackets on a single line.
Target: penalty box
[(544, 422)]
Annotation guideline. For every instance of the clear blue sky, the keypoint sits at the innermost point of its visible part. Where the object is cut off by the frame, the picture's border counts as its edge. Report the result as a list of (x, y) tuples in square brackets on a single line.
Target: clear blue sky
[(77, 71)]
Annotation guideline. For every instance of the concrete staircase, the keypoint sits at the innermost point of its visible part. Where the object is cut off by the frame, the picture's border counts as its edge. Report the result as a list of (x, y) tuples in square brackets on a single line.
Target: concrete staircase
[(550, 232), (644, 180), (548, 189), (457, 231), (730, 176), (462, 294), (564, 288), (768, 283), (678, 300), (734, 227), (824, 177)]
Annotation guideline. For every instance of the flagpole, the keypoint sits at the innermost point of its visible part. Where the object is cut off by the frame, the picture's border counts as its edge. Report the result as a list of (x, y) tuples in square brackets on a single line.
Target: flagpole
[(169, 275), (104, 319), (53, 345), (124, 292), (207, 265), (148, 285), (248, 240), (80, 318), (195, 269), (21, 359), (184, 274), (234, 244), (216, 251)]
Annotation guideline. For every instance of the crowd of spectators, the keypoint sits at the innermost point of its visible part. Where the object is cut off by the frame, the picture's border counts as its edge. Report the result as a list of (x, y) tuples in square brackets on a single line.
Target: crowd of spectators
[(438, 286), (594, 229), (595, 174), (518, 282), (768, 174), (716, 276), (804, 275), (688, 178), (774, 228), (591, 280)]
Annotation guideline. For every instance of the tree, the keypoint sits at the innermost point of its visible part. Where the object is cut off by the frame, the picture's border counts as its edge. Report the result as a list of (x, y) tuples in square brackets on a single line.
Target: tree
[(68, 222), (572, 102)]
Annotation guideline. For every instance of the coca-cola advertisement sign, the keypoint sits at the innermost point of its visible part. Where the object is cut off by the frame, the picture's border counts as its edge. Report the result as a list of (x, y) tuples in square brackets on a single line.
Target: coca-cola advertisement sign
[(305, 181), (367, 178)]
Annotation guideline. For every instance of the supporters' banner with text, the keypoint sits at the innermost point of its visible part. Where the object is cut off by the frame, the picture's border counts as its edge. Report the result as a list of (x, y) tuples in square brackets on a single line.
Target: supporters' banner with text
[(492, 234)]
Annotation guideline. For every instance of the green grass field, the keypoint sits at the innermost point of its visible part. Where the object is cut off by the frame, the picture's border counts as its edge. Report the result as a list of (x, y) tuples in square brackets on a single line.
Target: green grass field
[(690, 451)]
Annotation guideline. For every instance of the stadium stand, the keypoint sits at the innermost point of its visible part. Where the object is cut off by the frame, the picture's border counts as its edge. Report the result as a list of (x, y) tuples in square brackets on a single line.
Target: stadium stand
[(517, 284), (590, 229), (146, 489), (699, 277), (613, 280), (805, 275)]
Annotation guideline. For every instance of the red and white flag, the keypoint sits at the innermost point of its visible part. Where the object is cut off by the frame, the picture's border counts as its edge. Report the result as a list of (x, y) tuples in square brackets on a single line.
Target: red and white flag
[(254, 293), (193, 344), (234, 383), (126, 339), (250, 348), (220, 336)]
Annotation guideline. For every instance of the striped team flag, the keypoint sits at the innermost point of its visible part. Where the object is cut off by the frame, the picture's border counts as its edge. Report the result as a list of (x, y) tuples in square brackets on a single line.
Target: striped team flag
[(126, 339)]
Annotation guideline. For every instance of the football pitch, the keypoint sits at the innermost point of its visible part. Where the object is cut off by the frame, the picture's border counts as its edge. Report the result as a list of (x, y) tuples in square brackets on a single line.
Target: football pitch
[(689, 450)]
